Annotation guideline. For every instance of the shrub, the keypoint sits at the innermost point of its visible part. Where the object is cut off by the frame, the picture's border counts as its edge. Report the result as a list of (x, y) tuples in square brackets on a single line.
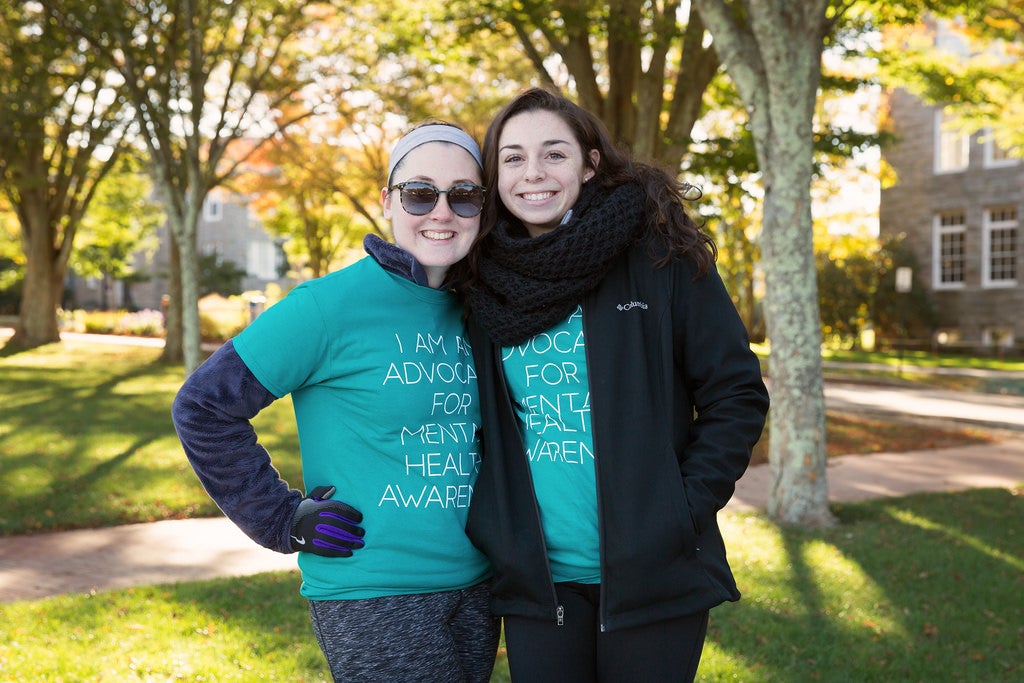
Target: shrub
[(213, 327), (145, 323)]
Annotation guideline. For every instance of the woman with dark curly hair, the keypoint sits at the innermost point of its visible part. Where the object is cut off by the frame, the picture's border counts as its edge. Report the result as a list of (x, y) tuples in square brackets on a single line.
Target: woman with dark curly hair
[(620, 402)]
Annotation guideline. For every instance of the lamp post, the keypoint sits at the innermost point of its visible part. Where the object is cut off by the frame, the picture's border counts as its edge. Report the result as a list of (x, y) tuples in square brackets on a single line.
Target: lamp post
[(904, 280)]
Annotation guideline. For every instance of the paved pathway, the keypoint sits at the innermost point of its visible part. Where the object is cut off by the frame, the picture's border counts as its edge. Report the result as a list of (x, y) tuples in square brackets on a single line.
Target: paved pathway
[(854, 478), (42, 565), (37, 566)]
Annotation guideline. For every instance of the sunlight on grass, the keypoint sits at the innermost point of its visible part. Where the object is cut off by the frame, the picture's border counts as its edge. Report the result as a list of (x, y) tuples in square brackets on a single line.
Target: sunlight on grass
[(767, 554), (915, 589), (228, 630), (159, 382), (848, 594), (94, 432), (905, 589), (925, 359), (891, 368), (1014, 560)]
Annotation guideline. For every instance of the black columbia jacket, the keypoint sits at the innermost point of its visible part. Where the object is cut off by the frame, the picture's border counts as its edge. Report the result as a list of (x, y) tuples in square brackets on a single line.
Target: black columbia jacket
[(677, 404)]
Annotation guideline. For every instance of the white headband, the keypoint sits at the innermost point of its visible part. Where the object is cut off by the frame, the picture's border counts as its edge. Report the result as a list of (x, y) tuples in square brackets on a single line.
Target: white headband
[(434, 132)]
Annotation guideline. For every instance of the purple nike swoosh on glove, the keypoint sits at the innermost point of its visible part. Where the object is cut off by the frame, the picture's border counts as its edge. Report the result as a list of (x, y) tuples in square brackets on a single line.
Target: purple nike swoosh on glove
[(336, 532), (326, 527)]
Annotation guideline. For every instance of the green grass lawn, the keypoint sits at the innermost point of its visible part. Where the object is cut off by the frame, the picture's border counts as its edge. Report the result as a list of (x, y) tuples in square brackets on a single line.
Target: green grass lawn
[(889, 368), (86, 440), (926, 359), (903, 372), (924, 588)]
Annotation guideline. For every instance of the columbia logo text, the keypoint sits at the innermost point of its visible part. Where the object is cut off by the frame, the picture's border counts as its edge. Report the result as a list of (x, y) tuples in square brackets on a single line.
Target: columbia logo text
[(631, 305)]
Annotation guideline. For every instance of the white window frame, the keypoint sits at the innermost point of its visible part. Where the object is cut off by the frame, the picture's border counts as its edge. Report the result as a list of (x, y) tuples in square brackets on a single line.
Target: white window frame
[(940, 229), (995, 156), (213, 209), (1001, 218), (999, 337), (952, 147)]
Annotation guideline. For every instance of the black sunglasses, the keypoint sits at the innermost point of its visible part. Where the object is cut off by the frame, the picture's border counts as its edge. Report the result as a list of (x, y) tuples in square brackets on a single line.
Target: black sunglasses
[(420, 198)]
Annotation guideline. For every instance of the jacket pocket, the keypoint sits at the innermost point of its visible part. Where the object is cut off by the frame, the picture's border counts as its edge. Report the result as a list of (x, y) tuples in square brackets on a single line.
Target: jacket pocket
[(686, 528)]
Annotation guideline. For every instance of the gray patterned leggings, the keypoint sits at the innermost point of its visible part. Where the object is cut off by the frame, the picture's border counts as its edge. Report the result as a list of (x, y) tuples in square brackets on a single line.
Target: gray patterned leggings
[(448, 637)]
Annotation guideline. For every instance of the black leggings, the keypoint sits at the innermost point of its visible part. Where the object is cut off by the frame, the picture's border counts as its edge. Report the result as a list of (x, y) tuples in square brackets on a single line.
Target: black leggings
[(577, 651)]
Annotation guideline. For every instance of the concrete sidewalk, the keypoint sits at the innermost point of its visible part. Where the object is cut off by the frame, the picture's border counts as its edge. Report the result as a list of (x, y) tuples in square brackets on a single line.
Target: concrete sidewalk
[(37, 566), (854, 478)]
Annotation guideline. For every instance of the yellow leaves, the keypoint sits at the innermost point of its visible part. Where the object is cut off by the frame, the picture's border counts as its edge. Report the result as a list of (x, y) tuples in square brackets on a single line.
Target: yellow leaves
[(1006, 22)]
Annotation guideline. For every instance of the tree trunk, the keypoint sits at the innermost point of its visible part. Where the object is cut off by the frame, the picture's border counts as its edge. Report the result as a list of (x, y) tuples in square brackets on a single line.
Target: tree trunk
[(775, 62), (189, 270), (791, 51), (183, 339), (799, 490), (624, 68), (749, 311), (44, 281), (173, 347)]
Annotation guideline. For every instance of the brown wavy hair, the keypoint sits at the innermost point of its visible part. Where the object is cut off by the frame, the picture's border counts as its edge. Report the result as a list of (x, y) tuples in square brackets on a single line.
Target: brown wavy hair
[(666, 216)]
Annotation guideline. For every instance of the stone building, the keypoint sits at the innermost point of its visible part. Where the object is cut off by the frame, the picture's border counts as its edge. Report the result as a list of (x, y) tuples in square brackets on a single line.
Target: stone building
[(958, 199), (227, 228)]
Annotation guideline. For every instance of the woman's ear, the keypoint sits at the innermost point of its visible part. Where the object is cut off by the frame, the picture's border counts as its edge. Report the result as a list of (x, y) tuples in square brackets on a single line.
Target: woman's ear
[(385, 202), (595, 159)]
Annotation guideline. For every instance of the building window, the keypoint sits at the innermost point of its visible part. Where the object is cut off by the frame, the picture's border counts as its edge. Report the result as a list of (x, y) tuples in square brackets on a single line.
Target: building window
[(950, 232), (995, 156), (262, 260), (1000, 247), (999, 337), (952, 146), (213, 209)]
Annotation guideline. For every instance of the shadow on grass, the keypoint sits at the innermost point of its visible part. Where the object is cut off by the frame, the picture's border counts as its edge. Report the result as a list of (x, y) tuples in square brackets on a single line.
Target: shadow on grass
[(73, 432), (87, 427), (922, 588), (9, 350), (252, 628)]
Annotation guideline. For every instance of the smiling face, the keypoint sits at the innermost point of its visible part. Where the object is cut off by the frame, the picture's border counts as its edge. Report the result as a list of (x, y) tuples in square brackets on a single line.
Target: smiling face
[(441, 237), (541, 168)]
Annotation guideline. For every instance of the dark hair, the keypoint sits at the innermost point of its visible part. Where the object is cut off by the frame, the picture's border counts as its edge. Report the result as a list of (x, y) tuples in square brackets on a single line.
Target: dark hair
[(666, 216)]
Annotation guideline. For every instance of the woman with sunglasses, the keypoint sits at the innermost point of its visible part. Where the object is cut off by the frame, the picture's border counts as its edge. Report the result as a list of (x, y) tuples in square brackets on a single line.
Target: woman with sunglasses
[(385, 399), (620, 401)]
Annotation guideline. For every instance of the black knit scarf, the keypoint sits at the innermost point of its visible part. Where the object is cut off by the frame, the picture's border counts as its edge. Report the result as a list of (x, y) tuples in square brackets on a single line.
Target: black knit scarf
[(527, 284)]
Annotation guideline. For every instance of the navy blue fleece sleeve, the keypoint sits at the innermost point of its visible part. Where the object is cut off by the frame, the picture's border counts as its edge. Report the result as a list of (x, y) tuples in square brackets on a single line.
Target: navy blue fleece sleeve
[(212, 414)]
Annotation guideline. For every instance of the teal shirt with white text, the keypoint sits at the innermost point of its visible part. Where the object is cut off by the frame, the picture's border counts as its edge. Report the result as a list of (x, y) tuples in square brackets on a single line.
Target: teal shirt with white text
[(384, 390), (547, 376)]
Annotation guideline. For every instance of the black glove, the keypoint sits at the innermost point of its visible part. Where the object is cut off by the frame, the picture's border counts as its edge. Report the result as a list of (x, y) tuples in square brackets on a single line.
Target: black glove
[(326, 527)]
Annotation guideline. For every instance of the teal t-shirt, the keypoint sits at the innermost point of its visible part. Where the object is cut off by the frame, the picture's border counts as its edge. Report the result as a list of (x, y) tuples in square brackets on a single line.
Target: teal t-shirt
[(547, 376), (385, 394)]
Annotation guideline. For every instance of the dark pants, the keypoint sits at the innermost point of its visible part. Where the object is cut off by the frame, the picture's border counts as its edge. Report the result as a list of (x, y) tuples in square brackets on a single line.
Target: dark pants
[(447, 637), (577, 651)]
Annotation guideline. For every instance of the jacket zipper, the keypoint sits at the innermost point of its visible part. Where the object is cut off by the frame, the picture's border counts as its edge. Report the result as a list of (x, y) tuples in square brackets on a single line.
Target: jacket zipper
[(597, 476), (559, 609)]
